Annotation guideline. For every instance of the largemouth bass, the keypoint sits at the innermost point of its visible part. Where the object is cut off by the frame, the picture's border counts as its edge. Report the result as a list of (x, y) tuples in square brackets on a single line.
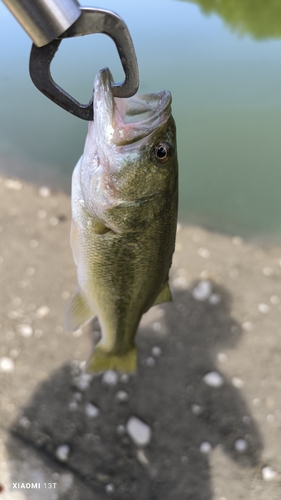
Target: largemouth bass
[(124, 216)]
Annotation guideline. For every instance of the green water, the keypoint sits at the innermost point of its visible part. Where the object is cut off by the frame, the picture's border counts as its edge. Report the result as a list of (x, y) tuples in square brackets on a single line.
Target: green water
[(221, 59)]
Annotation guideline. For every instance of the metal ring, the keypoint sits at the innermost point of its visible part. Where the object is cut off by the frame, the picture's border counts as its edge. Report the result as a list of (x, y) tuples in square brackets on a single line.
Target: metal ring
[(91, 21)]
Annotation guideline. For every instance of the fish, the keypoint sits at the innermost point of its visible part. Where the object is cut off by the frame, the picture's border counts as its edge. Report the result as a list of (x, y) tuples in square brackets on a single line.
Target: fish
[(124, 217)]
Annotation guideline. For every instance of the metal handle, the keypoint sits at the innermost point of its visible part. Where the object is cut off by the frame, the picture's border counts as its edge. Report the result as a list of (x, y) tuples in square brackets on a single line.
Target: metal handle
[(44, 20), (91, 21)]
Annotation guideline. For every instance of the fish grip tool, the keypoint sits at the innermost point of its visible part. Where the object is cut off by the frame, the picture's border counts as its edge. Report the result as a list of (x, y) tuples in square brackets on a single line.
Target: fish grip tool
[(92, 20)]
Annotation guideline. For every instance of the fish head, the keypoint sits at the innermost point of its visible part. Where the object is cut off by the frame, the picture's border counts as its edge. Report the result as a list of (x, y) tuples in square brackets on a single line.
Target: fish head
[(130, 156)]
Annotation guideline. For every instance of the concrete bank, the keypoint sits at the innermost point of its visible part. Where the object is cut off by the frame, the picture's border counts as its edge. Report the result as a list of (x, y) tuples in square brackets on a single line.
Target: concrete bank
[(201, 418)]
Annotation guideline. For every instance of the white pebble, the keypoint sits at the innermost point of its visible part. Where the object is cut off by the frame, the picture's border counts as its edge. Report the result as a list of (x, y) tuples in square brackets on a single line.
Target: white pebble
[(263, 308), (15, 314), (10, 335), (196, 237), (17, 301), (23, 284), (156, 351), (139, 432), (62, 453), (204, 253), (270, 418), (213, 379), (73, 405), (30, 271), (142, 457), (91, 410), (121, 429), (25, 422), (205, 275), (237, 382), (110, 377), (156, 326), (256, 401), (77, 396), (109, 488), (150, 361), (275, 300), (196, 409), (240, 445), (124, 378), (247, 325), (268, 473), (205, 447), (233, 273), (44, 192), (83, 380), (13, 184), (214, 299), (181, 283), (33, 243), (41, 214), (42, 312), (7, 365), (53, 221), (202, 291), (25, 330), (66, 481), (237, 240), (222, 357), (267, 271), (122, 396), (14, 353)]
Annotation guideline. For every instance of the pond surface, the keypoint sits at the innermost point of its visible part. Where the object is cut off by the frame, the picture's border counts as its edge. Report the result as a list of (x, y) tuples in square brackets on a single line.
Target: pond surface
[(222, 64)]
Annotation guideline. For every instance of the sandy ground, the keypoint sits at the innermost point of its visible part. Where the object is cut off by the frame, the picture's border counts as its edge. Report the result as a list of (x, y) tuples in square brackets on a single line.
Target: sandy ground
[(201, 418)]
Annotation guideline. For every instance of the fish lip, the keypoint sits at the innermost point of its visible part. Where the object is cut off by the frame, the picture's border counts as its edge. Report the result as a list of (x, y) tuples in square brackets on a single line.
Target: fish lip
[(154, 105), (149, 110)]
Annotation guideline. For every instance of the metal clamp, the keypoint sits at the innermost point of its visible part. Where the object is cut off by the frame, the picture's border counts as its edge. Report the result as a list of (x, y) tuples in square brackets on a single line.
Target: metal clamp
[(91, 21)]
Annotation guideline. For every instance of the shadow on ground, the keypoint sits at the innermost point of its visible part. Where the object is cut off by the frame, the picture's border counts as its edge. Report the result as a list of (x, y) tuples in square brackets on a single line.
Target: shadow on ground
[(170, 395)]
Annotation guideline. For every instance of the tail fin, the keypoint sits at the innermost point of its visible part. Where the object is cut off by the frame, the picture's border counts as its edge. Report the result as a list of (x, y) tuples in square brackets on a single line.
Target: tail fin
[(101, 361)]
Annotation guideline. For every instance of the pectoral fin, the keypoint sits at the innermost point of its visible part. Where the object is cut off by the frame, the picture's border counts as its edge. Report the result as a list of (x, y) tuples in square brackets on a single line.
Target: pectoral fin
[(99, 227), (77, 312), (164, 295)]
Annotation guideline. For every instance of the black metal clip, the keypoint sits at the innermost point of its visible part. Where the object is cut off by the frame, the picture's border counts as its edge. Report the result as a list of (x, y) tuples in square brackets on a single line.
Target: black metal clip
[(92, 20)]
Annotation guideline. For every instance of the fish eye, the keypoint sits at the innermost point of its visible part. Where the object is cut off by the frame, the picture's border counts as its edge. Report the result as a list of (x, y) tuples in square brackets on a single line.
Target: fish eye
[(161, 152)]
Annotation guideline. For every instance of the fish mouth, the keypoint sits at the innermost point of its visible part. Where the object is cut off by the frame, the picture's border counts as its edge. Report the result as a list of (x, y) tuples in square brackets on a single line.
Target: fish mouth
[(126, 120)]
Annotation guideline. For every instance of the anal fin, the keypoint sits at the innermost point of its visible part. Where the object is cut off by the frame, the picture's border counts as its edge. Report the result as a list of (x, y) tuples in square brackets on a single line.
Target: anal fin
[(77, 312), (164, 296)]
